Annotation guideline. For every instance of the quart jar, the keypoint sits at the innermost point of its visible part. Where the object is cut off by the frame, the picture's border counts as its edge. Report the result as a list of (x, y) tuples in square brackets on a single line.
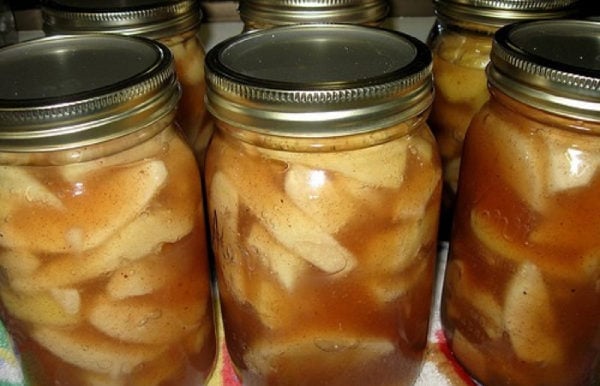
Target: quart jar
[(323, 185), (521, 302), (261, 14), (105, 277), (460, 40), (173, 23)]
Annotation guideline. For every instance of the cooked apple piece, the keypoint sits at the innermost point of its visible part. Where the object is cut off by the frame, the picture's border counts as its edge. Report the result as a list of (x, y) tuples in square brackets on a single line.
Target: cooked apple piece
[(224, 198), (284, 220), (143, 320), (94, 352), (357, 163), (459, 68), (572, 163), (94, 166), (279, 261), (68, 298), (529, 318), (196, 341), (225, 235), (43, 308), (393, 249), (269, 300), (143, 236), (89, 219), (484, 306), (148, 275), (298, 233), (388, 287), (513, 144), (468, 51), (189, 57), (494, 233), (460, 84), (497, 236), (21, 188), (421, 185), (18, 263), (322, 196), (160, 370), (271, 304)]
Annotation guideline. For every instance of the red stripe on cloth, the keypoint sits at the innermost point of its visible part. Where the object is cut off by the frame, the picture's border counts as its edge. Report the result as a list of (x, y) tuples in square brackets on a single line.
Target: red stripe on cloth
[(444, 348), (227, 373)]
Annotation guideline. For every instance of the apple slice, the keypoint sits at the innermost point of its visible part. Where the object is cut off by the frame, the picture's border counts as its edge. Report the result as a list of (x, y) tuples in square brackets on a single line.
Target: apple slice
[(280, 262), (529, 318), (142, 236), (91, 351), (86, 220), (145, 320), (43, 308), (285, 221)]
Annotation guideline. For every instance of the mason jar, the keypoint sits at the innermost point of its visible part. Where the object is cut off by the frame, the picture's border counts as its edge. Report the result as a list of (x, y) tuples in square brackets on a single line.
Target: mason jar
[(105, 277), (323, 185), (261, 14), (521, 302), (460, 40), (173, 23)]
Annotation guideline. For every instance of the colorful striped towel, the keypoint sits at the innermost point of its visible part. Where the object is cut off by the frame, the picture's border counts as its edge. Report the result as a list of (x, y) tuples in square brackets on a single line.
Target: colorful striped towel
[(10, 369)]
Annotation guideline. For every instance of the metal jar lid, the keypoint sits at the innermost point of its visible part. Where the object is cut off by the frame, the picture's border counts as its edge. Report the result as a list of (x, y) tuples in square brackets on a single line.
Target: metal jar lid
[(285, 12), (318, 79), (149, 18), (63, 92), (553, 65), (493, 14)]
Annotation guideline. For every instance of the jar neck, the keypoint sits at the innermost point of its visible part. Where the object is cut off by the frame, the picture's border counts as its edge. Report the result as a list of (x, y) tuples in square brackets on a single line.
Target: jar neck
[(158, 132), (465, 26), (324, 143), (181, 37), (544, 117)]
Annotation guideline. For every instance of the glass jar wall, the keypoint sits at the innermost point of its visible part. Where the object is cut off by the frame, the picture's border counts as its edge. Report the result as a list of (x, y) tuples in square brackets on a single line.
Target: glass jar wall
[(105, 275), (521, 301), (460, 41), (323, 194), (261, 14), (176, 24)]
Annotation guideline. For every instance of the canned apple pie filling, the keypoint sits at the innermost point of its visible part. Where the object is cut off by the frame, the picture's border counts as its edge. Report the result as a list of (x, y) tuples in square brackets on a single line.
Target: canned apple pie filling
[(323, 187), (174, 23), (104, 275), (461, 40), (521, 302)]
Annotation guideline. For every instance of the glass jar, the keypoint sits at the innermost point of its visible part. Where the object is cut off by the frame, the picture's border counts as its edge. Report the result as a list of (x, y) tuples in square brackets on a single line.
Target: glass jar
[(175, 24), (323, 185), (521, 302), (460, 40), (261, 14), (105, 276)]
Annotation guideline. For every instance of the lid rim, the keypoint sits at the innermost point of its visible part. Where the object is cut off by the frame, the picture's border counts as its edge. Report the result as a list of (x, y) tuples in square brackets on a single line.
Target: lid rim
[(547, 83), (305, 107), (498, 13), (72, 119), (151, 21), (288, 12)]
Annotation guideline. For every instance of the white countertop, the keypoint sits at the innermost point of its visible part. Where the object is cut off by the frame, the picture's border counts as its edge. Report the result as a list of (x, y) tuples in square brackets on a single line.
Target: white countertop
[(213, 33)]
